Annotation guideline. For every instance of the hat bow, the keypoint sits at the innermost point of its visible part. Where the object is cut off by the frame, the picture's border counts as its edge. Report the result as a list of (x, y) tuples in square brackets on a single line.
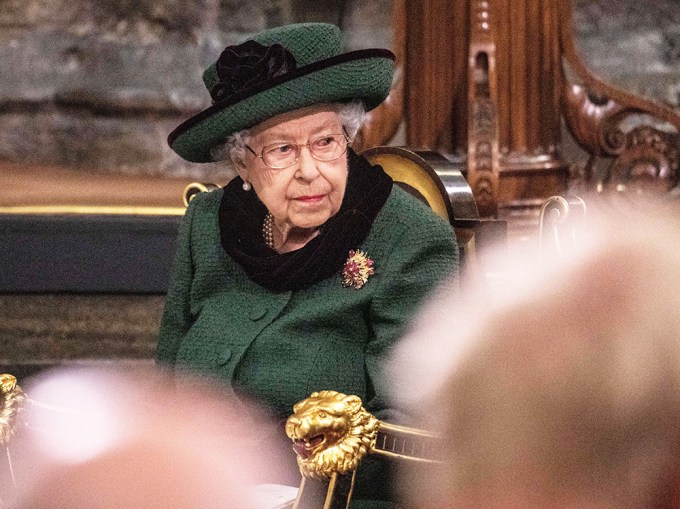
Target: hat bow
[(245, 65)]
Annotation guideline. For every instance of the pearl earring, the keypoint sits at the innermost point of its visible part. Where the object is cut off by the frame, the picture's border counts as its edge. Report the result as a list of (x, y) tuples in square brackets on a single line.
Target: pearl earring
[(247, 186)]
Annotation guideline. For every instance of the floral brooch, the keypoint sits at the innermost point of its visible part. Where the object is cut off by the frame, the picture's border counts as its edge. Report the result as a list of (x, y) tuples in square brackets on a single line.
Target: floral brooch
[(357, 269)]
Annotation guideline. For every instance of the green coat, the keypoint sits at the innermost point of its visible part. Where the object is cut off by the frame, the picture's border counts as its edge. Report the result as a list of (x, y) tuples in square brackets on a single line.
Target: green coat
[(280, 347)]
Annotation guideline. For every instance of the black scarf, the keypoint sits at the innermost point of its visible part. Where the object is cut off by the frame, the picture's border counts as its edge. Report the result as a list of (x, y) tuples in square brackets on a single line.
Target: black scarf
[(241, 216)]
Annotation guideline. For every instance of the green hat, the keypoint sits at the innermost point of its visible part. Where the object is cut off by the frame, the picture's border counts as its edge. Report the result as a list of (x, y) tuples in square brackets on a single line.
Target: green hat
[(280, 70)]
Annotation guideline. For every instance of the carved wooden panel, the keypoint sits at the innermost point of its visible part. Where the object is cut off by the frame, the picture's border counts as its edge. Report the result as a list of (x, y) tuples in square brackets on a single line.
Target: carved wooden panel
[(640, 138), (483, 82), (483, 108)]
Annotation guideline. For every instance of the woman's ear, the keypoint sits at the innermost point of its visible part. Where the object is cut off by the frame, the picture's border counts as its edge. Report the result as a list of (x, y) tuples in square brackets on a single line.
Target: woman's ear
[(241, 170)]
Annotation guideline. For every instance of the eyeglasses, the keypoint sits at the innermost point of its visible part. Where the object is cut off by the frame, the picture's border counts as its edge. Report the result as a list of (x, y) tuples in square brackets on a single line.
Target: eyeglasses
[(324, 148)]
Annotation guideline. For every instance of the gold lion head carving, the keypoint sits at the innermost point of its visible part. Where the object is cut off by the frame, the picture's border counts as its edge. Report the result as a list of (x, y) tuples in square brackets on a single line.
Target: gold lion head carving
[(11, 399), (331, 432)]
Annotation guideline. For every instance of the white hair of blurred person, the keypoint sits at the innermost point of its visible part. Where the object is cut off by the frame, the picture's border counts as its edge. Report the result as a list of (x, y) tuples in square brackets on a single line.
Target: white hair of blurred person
[(131, 438), (561, 388)]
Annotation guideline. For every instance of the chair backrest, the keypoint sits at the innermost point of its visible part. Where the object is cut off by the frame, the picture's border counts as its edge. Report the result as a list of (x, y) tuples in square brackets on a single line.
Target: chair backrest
[(430, 177), (194, 188), (441, 184)]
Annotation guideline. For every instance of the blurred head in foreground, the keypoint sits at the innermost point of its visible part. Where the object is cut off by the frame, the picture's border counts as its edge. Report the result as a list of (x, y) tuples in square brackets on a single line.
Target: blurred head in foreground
[(131, 439), (562, 387)]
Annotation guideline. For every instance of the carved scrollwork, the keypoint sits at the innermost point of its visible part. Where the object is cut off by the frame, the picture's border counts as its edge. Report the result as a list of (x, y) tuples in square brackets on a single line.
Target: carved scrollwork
[(482, 154), (483, 190), (483, 117), (594, 121), (650, 161), (595, 114), (613, 137), (557, 219), (644, 156)]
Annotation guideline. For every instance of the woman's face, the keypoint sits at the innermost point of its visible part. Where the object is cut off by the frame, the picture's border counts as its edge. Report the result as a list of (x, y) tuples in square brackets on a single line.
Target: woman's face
[(309, 192)]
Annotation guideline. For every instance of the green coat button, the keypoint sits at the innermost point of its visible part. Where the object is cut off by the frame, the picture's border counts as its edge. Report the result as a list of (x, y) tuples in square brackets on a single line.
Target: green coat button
[(223, 358), (257, 313)]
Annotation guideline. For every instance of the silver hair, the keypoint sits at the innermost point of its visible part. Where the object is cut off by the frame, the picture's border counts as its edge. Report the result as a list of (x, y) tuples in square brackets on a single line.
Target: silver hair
[(352, 116), (233, 149)]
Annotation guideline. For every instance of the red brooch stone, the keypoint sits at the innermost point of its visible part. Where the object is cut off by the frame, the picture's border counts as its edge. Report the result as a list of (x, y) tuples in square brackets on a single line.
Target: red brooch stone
[(357, 269)]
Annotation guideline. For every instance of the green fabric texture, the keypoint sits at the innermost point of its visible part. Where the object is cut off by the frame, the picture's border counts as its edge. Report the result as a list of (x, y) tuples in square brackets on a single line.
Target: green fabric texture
[(308, 42), (323, 75), (280, 347)]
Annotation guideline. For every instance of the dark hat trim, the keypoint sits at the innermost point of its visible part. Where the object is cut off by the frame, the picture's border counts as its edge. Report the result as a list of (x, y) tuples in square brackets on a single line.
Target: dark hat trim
[(266, 85)]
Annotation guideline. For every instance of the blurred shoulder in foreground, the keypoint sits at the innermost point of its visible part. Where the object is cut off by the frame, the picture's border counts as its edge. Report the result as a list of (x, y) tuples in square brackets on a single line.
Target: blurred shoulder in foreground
[(558, 384)]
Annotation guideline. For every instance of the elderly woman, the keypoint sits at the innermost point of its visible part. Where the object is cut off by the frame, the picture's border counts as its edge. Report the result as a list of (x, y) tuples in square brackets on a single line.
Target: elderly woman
[(301, 273)]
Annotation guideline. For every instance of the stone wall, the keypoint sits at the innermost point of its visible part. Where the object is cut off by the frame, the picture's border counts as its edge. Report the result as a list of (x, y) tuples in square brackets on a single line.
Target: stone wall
[(632, 44), (99, 85), (39, 331)]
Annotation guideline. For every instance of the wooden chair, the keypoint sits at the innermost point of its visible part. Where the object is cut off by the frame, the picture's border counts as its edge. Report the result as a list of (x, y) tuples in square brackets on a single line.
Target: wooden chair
[(439, 182), (558, 223), (494, 81)]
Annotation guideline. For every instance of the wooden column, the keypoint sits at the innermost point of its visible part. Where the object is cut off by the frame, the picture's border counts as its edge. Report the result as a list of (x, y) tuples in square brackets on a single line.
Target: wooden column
[(482, 82), (483, 105), (513, 94), (528, 83), (435, 75)]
